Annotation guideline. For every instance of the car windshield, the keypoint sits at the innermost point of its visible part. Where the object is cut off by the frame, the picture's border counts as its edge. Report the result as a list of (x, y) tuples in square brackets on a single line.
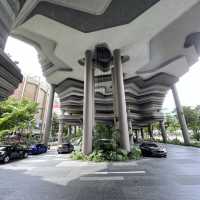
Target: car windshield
[(151, 145)]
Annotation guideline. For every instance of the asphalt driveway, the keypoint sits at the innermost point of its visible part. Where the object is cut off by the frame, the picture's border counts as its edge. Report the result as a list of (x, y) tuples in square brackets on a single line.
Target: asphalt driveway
[(55, 177)]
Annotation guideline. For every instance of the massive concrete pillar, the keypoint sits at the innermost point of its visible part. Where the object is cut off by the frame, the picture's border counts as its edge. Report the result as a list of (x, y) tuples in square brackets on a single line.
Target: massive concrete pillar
[(93, 100), (136, 135), (69, 129), (88, 104), (121, 103), (163, 131), (61, 128), (150, 131), (142, 133), (130, 133), (181, 116), (115, 99), (49, 115)]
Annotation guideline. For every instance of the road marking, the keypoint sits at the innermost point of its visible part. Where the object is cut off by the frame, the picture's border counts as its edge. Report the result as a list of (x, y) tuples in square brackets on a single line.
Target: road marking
[(102, 178), (11, 167), (107, 172), (133, 163), (71, 164)]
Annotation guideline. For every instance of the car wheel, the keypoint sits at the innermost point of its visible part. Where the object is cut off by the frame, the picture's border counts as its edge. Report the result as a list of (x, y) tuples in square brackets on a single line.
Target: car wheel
[(25, 155), (6, 159)]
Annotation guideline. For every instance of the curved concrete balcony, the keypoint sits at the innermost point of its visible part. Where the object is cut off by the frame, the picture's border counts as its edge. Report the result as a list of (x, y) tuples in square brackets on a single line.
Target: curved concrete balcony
[(10, 75)]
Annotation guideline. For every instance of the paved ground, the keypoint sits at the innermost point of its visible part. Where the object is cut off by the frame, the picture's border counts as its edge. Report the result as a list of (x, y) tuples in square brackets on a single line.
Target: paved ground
[(55, 177)]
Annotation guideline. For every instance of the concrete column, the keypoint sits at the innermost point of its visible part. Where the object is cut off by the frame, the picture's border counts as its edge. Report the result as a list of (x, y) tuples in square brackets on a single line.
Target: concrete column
[(150, 131), (163, 131), (61, 128), (130, 126), (88, 104), (93, 100), (121, 103), (49, 115), (69, 129), (115, 99), (130, 133), (131, 140), (181, 116), (142, 133), (136, 135), (60, 132)]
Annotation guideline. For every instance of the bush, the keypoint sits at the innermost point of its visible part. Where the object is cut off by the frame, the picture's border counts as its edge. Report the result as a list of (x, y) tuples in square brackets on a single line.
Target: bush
[(105, 138), (101, 156), (196, 136), (106, 147), (78, 155), (135, 153), (96, 156), (195, 144), (176, 141)]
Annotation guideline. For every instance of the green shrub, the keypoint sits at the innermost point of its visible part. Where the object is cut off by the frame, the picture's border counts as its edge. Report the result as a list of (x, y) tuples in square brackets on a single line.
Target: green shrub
[(96, 156), (196, 135), (101, 156), (176, 141), (195, 144), (135, 153), (78, 155), (105, 138)]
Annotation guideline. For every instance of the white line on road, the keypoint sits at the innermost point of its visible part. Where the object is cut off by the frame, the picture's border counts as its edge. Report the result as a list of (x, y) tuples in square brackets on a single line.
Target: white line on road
[(105, 173), (105, 178)]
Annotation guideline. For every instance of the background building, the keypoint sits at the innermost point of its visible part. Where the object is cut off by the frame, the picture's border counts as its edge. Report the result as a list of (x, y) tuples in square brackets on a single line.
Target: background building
[(33, 88)]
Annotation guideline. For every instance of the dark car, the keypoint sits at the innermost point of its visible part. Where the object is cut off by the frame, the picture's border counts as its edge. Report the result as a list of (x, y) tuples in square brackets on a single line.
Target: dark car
[(37, 149), (65, 148), (11, 152), (151, 149)]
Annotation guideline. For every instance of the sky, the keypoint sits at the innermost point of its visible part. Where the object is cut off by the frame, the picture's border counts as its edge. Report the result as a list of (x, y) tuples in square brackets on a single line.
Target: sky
[(188, 86)]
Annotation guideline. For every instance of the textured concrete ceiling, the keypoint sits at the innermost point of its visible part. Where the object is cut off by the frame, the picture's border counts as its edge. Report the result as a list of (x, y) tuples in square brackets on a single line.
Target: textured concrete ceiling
[(151, 32), (145, 39)]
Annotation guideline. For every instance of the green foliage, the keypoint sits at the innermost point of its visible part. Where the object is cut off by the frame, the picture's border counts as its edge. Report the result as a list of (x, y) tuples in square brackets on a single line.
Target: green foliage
[(105, 138), (195, 144), (192, 117), (175, 141), (102, 156), (135, 153), (172, 123), (96, 156), (106, 147), (55, 125), (78, 155), (3, 134), (16, 115)]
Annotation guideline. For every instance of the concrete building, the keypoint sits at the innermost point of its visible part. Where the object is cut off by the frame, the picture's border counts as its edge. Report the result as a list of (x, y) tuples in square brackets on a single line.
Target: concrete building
[(34, 89), (110, 60)]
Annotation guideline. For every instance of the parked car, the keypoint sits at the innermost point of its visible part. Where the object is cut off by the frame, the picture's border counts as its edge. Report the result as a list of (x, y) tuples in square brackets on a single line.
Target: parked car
[(152, 149), (11, 152), (37, 149), (65, 148)]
